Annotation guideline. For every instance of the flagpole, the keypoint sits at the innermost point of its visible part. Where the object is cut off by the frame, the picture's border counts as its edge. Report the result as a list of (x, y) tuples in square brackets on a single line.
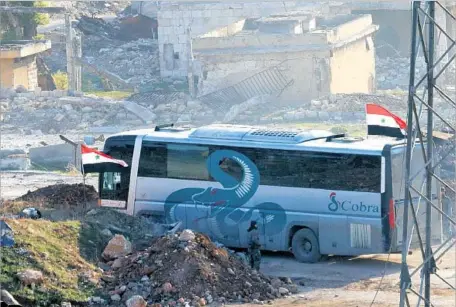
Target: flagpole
[(367, 125), (83, 180)]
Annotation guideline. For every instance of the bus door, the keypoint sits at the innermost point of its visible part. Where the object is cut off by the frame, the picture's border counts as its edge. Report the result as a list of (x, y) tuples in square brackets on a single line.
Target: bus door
[(398, 158), (115, 183)]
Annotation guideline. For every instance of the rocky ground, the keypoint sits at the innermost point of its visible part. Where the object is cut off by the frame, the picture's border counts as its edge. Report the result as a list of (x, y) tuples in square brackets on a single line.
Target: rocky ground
[(187, 269), (393, 73)]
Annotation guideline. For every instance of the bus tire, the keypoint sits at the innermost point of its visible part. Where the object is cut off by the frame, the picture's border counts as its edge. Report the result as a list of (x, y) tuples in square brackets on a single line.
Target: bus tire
[(305, 246)]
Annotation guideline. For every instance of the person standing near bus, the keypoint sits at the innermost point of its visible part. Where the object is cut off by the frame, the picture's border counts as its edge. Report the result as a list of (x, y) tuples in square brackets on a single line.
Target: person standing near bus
[(447, 208), (253, 252)]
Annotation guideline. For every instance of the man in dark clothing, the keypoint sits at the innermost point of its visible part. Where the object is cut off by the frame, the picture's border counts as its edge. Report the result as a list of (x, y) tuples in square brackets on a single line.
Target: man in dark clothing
[(254, 253)]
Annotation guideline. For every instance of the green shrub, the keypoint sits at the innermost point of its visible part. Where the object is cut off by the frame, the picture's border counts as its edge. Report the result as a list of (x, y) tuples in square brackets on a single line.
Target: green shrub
[(60, 80)]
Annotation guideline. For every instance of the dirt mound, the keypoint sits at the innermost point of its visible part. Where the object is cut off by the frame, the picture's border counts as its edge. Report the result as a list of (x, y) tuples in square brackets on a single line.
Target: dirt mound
[(99, 225), (61, 195), (194, 272)]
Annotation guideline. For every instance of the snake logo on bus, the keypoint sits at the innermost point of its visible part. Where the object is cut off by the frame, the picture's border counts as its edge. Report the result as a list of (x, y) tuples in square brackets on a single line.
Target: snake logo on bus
[(347, 205)]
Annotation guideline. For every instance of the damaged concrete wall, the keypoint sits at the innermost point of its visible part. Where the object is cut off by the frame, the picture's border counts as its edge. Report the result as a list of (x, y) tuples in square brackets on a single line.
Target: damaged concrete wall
[(6, 73), (225, 70), (348, 78), (319, 62), (393, 36), (175, 19)]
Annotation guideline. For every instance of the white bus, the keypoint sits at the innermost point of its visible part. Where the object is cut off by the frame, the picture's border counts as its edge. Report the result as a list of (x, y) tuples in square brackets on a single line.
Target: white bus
[(311, 192)]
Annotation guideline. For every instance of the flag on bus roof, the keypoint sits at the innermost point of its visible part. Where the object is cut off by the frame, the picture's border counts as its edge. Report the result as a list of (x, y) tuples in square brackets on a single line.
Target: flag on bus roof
[(382, 122), (94, 161)]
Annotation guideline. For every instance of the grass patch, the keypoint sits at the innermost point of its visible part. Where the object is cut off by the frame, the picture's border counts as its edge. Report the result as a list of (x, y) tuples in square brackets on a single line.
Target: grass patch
[(117, 95), (52, 248)]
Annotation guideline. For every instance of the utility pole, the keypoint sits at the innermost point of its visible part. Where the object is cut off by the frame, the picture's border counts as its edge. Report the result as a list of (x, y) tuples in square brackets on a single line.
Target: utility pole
[(191, 81), (425, 29), (77, 64), (69, 54)]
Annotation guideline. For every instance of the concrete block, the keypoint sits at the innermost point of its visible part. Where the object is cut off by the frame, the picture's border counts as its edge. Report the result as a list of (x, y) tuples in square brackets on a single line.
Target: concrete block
[(141, 112), (59, 117), (54, 156), (21, 163)]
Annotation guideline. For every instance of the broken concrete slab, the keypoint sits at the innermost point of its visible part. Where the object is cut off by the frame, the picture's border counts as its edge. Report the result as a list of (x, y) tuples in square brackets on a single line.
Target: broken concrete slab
[(6, 299), (13, 159), (54, 156), (6, 153), (143, 113), (15, 164), (6, 235)]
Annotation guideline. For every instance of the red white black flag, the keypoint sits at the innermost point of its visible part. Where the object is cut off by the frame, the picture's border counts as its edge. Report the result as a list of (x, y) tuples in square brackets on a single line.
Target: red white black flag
[(380, 121), (94, 161)]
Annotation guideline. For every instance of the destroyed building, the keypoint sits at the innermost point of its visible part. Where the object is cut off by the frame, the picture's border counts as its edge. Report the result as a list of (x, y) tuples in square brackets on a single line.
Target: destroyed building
[(315, 54), (178, 23), (18, 63)]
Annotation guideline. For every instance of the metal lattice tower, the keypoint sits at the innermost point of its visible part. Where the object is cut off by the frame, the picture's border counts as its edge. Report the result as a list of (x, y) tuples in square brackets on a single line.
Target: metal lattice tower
[(431, 106)]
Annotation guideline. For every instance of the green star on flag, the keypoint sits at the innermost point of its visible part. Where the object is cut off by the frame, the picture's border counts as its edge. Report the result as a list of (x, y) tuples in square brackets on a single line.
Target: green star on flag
[(97, 157)]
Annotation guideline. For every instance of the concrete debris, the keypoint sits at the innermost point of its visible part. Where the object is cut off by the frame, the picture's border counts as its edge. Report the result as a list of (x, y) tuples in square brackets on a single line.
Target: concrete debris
[(187, 269), (136, 62), (13, 159), (117, 247), (136, 301), (97, 26), (30, 277), (393, 73), (6, 235), (6, 299), (238, 109), (141, 112), (30, 213), (54, 156), (186, 235)]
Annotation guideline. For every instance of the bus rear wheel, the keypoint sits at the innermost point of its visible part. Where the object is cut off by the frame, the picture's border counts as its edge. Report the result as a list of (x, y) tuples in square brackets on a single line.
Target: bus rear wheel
[(305, 246)]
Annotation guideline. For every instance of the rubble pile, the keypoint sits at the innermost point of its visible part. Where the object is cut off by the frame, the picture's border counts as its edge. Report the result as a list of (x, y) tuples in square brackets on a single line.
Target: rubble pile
[(79, 8), (187, 269), (136, 62), (393, 73), (96, 26), (100, 225), (59, 195), (30, 114), (49, 115)]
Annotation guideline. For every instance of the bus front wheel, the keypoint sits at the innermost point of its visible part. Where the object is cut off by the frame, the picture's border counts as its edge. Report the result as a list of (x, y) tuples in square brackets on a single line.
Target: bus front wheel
[(305, 246)]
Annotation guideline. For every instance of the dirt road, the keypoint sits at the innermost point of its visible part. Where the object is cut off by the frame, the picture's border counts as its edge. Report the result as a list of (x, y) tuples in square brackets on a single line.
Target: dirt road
[(350, 282)]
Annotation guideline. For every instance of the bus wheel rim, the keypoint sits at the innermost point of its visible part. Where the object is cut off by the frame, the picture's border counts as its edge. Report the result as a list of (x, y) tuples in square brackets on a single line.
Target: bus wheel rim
[(307, 246)]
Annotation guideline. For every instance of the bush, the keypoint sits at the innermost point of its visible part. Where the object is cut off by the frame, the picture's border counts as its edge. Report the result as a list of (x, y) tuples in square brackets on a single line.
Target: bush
[(41, 18), (60, 80), (39, 37)]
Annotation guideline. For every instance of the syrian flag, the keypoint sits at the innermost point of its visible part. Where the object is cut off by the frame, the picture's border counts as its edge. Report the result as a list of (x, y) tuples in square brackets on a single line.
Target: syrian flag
[(380, 121), (94, 161)]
